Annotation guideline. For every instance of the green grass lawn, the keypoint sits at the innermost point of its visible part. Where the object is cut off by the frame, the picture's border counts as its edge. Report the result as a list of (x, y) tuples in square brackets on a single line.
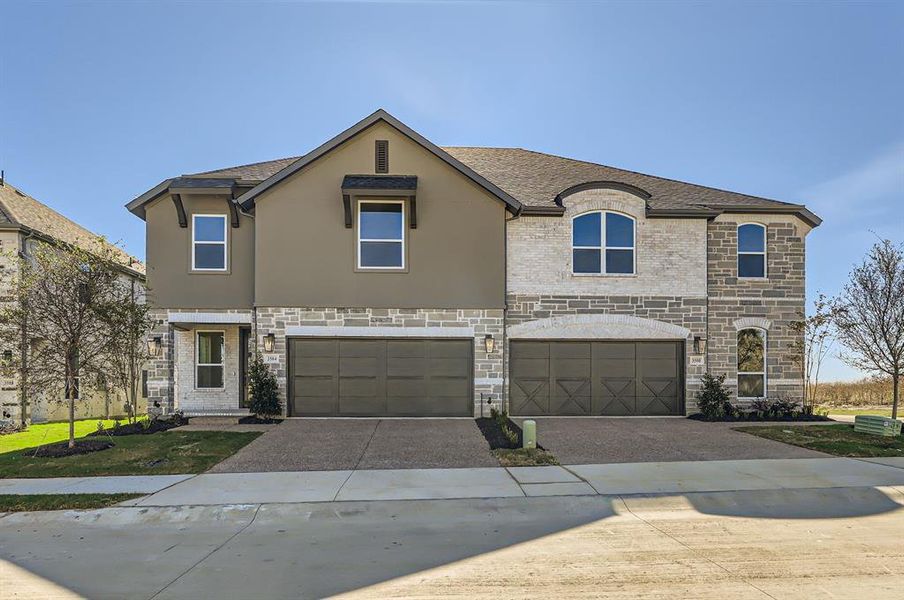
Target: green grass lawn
[(883, 412), (165, 453), (48, 433), (19, 503), (522, 457), (840, 440)]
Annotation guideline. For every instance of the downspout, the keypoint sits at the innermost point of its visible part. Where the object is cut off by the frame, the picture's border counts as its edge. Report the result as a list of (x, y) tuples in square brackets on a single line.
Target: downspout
[(504, 400)]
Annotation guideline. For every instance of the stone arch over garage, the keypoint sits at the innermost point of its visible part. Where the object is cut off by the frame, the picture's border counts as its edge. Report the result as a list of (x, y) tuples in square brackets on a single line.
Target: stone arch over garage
[(599, 326)]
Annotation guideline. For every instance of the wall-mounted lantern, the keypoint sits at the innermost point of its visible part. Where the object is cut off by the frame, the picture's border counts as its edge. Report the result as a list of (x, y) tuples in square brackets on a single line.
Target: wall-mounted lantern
[(269, 342), (489, 343), (699, 345), (154, 344)]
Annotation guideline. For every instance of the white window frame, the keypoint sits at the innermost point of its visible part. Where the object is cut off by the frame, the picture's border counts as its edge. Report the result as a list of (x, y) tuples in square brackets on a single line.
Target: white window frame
[(224, 243), (763, 253), (765, 359), (603, 247), (360, 240), (198, 362)]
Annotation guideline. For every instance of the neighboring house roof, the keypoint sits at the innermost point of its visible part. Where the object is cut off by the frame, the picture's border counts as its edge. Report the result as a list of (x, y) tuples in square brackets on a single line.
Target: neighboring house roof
[(533, 181), (18, 210)]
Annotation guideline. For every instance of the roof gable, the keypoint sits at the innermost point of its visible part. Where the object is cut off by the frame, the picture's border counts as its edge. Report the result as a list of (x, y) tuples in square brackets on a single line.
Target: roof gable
[(247, 199)]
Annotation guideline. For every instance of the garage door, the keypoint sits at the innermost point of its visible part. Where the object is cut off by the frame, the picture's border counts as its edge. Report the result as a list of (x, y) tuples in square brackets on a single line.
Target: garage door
[(380, 377), (596, 378)]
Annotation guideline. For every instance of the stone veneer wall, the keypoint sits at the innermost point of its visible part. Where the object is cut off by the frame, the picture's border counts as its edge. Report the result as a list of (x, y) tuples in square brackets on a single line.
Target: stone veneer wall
[(773, 303), (688, 312), (488, 368), (10, 401)]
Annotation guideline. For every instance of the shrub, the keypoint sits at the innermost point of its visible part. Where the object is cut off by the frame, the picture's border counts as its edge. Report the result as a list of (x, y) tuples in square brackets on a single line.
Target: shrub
[(263, 391), (714, 399), (777, 408)]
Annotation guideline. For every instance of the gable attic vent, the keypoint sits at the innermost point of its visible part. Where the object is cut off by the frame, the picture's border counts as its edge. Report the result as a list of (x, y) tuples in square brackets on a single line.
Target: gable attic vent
[(381, 156)]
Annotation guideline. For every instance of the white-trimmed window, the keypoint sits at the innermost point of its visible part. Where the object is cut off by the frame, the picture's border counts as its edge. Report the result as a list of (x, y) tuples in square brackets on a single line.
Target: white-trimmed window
[(751, 363), (381, 234), (208, 243), (209, 364), (752, 250), (602, 243)]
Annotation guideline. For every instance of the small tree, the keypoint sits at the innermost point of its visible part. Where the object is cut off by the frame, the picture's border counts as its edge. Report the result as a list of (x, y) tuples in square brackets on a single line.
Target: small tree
[(61, 296), (263, 390), (814, 338), (714, 399), (869, 315), (128, 321)]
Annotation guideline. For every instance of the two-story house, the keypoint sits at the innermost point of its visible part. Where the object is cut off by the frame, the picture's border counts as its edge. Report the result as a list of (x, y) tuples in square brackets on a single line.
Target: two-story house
[(381, 274), (26, 223)]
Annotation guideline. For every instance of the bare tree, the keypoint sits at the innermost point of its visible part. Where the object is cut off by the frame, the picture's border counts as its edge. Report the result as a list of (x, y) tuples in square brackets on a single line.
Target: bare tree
[(869, 315), (62, 296), (128, 321), (814, 338)]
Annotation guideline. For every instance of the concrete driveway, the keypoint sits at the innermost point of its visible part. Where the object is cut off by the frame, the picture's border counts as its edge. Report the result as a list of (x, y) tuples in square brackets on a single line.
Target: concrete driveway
[(349, 444), (581, 441)]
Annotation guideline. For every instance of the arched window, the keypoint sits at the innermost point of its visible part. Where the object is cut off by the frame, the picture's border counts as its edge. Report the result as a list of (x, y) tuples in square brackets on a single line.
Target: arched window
[(752, 250), (602, 243), (751, 363)]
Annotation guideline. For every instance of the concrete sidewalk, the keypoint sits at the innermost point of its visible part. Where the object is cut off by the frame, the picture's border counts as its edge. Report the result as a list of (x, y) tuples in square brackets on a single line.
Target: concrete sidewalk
[(496, 482)]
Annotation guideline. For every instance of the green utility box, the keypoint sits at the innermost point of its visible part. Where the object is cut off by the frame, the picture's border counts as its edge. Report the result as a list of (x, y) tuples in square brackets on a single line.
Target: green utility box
[(877, 425)]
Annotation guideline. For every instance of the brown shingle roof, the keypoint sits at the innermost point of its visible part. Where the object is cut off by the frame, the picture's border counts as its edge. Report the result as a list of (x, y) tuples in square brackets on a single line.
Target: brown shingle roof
[(535, 179), (251, 172), (20, 209)]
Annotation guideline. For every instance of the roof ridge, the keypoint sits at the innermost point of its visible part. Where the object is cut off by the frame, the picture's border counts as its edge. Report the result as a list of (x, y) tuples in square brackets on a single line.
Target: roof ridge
[(708, 187), (252, 164)]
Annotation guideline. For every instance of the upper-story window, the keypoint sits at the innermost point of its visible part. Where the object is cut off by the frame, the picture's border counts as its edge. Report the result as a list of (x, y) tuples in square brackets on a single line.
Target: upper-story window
[(751, 250), (751, 363), (602, 243), (208, 243), (381, 234)]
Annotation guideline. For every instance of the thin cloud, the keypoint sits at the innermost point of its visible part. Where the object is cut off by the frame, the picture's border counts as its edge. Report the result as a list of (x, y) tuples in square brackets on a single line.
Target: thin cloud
[(857, 190)]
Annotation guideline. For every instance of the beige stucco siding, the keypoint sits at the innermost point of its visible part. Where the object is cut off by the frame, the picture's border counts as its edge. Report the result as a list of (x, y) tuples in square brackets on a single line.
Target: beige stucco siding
[(170, 278), (306, 257)]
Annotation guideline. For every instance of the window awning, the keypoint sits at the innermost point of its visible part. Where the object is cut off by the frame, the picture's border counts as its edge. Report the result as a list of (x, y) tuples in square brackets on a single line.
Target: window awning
[(381, 183), (185, 320)]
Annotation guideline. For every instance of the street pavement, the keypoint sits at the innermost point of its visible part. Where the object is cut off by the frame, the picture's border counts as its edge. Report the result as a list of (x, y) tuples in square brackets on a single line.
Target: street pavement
[(782, 543)]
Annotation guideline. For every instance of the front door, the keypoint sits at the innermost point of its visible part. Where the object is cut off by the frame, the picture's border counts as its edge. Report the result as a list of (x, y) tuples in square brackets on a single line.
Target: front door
[(245, 350)]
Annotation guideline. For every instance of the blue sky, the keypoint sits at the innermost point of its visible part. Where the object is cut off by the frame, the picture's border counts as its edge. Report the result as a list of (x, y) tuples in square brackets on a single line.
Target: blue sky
[(799, 102)]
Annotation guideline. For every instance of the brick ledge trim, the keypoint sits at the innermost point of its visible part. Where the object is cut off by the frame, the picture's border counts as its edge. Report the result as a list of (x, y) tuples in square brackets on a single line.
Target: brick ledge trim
[(399, 332)]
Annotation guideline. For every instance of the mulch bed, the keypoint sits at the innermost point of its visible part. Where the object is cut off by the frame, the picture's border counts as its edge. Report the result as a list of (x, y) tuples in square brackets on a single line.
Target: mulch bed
[(255, 420), (82, 446), (754, 418), (142, 427), (492, 432)]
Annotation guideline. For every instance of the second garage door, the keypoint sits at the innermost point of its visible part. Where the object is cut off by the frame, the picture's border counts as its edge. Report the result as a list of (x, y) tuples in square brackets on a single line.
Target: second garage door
[(381, 377), (596, 378)]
